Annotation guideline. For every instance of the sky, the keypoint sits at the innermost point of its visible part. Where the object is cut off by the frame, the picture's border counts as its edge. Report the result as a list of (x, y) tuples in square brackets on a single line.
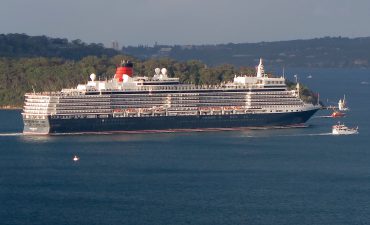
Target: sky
[(144, 22)]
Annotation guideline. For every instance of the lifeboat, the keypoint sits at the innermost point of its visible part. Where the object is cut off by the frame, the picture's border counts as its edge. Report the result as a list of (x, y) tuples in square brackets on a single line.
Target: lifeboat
[(160, 111), (205, 109), (117, 111), (238, 109), (228, 108), (337, 114), (146, 111), (131, 111), (216, 109)]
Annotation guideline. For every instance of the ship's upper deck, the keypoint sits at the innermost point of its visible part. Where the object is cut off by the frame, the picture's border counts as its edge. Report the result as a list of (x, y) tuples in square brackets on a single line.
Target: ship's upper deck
[(161, 82)]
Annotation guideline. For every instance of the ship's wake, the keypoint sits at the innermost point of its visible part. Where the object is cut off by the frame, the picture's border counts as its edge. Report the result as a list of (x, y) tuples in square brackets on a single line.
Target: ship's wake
[(10, 134), (286, 135), (318, 117), (300, 135)]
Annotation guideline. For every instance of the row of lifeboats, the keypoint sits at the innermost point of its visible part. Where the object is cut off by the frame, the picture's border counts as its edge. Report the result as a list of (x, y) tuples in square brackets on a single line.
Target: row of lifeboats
[(143, 111), (160, 111), (220, 109)]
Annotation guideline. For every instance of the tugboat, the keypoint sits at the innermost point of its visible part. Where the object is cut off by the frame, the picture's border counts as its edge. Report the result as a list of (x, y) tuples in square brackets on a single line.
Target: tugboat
[(337, 114), (341, 129)]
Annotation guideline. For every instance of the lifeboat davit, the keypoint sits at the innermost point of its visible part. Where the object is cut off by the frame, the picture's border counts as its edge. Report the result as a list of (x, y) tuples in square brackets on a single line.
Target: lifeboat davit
[(337, 114), (125, 68)]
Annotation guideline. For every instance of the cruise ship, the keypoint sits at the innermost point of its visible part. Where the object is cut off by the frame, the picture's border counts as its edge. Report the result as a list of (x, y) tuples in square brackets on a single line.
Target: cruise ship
[(161, 103)]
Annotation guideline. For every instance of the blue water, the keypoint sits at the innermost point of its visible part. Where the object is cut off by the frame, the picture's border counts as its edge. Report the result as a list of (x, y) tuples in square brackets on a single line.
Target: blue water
[(282, 176)]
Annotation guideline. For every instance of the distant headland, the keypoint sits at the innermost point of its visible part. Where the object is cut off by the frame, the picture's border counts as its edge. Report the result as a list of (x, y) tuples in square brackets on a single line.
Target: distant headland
[(326, 52)]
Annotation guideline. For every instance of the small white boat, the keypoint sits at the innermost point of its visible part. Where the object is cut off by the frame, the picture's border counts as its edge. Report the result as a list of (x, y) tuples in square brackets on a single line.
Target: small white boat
[(309, 76), (341, 129), (342, 104), (76, 158)]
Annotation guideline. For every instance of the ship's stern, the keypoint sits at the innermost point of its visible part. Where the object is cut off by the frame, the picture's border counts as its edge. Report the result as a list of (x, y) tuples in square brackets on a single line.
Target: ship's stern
[(36, 112), (36, 124)]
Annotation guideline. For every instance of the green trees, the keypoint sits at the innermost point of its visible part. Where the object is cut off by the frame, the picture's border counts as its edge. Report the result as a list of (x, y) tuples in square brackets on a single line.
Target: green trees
[(22, 45), (18, 76), (21, 75), (42, 63)]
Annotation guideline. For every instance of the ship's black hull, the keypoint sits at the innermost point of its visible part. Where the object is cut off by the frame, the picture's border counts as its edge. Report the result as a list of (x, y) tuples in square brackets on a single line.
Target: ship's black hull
[(52, 125)]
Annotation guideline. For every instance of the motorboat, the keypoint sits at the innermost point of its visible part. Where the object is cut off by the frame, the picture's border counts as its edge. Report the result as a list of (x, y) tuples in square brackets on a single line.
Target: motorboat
[(341, 129)]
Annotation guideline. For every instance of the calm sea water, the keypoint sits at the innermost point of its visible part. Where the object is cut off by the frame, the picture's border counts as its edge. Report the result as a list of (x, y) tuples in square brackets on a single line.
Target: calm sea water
[(284, 176)]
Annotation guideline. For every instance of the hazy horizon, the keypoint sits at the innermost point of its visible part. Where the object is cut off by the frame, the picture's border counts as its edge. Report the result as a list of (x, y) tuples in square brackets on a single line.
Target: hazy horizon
[(145, 22)]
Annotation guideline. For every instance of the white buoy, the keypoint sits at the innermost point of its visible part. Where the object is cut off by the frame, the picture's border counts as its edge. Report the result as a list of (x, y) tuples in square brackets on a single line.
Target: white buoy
[(76, 158)]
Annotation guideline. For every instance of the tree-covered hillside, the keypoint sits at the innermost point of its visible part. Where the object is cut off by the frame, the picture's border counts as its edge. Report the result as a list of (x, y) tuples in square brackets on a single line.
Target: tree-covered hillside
[(41, 63), (18, 76), (22, 45)]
